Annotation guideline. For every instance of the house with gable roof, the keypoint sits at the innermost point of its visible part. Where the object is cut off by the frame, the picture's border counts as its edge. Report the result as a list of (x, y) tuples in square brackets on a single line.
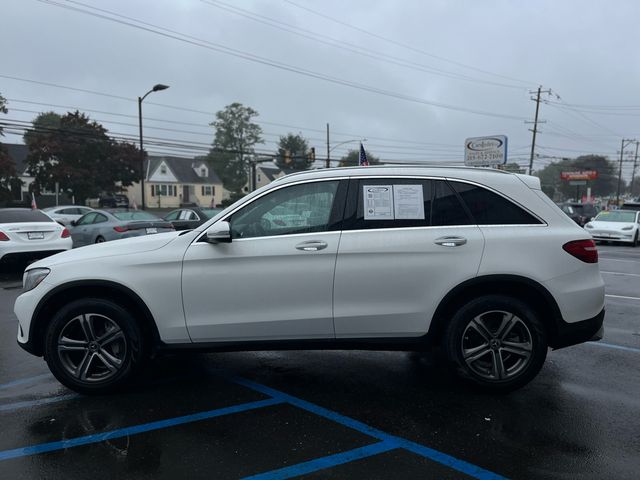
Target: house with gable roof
[(174, 181)]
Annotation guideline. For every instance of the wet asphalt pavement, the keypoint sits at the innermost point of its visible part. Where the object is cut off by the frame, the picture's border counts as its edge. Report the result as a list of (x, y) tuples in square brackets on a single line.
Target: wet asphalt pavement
[(333, 414)]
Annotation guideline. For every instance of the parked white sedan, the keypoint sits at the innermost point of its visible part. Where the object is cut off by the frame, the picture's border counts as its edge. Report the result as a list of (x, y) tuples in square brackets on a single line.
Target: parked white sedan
[(65, 214), (616, 226), (30, 234)]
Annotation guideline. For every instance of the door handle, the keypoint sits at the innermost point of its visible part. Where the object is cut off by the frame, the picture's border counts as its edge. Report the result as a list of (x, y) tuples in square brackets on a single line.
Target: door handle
[(450, 241), (311, 246)]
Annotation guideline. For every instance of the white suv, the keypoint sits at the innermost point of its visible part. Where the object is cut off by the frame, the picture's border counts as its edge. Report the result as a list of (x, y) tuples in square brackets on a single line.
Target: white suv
[(478, 263)]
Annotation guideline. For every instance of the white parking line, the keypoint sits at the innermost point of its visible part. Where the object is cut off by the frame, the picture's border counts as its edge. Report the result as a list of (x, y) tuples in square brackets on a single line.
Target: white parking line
[(618, 260), (622, 296), (621, 273)]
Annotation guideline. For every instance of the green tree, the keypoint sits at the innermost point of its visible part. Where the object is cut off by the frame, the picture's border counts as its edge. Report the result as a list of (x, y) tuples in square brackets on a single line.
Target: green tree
[(77, 153), (293, 152), (8, 175), (351, 158), (233, 145), (606, 183)]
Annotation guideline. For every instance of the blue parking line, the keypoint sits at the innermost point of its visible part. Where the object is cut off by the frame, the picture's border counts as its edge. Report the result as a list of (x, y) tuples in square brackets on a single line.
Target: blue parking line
[(388, 439), (616, 347), (22, 381), (10, 407), (134, 430), (325, 462)]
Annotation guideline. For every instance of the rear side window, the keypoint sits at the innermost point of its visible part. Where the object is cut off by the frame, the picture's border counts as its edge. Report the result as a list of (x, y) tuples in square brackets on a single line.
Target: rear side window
[(489, 208), (23, 216), (447, 209)]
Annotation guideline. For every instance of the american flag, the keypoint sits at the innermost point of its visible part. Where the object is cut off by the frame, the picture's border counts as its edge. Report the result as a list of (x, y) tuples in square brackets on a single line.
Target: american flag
[(362, 158)]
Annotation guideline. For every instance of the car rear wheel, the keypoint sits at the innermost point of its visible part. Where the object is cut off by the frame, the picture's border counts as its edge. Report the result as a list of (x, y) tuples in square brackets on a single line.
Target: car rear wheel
[(93, 346), (100, 239), (496, 342)]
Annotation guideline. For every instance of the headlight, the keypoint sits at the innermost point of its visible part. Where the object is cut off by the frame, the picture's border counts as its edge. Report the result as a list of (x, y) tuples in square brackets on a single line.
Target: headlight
[(588, 225), (628, 227), (32, 278)]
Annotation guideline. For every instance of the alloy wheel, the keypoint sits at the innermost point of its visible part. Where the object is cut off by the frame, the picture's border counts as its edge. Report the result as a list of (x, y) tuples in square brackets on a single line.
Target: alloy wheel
[(92, 347), (497, 345)]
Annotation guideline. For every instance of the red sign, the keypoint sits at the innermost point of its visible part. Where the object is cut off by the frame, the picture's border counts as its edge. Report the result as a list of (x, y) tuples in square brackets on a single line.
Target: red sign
[(579, 175)]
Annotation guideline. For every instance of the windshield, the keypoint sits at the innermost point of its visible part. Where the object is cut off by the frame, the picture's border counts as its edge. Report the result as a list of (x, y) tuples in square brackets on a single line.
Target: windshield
[(22, 216), (134, 215), (616, 216)]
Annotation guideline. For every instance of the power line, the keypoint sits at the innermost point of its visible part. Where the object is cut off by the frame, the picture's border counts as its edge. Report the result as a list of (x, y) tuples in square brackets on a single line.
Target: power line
[(406, 46), (349, 47), (188, 39)]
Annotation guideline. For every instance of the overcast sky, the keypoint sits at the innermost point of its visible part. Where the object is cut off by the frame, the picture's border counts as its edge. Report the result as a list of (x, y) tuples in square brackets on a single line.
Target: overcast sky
[(460, 68)]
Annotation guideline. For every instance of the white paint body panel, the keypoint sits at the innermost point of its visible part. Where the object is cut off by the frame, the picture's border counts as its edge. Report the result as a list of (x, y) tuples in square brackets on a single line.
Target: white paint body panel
[(387, 282), (260, 289)]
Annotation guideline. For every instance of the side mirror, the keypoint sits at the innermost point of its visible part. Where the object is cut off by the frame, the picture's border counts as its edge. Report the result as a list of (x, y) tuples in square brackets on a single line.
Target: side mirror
[(73, 223), (219, 233)]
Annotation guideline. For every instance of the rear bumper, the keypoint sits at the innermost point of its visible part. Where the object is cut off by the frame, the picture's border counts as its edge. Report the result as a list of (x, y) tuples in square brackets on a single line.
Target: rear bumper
[(568, 334)]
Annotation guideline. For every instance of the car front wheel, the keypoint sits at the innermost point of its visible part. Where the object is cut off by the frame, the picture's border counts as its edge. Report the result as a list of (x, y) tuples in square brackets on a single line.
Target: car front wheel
[(496, 342), (93, 346)]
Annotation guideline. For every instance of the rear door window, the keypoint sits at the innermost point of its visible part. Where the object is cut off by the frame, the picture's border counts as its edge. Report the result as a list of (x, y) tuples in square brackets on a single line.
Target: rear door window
[(388, 203), (489, 208), (447, 210)]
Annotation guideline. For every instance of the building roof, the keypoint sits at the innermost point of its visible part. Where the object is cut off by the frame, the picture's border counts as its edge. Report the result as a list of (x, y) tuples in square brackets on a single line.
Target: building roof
[(18, 153), (271, 170), (182, 168)]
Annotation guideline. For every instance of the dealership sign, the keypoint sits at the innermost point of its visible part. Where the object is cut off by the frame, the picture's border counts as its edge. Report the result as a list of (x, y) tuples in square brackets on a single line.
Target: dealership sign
[(579, 175), (485, 151)]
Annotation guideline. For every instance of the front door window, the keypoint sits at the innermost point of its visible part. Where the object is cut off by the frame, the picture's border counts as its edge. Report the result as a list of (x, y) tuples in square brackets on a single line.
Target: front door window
[(303, 208)]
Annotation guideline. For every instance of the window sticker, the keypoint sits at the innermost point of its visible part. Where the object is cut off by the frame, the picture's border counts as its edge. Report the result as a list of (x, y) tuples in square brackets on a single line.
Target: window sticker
[(378, 202), (408, 202)]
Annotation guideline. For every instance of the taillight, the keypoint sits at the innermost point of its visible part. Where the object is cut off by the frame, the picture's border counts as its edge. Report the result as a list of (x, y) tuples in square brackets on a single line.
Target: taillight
[(65, 233), (120, 229), (584, 250), (3, 237)]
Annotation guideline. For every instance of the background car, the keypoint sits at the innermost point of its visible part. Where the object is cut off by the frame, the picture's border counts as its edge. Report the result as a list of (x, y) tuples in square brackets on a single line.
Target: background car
[(187, 218), (617, 226), (113, 201), (65, 214), (630, 206), (105, 225), (584, 211), (571, 213), (27, 234), (212, 212)]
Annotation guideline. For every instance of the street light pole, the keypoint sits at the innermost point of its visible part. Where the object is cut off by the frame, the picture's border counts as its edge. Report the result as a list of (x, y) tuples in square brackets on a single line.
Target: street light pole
[(155, 88)]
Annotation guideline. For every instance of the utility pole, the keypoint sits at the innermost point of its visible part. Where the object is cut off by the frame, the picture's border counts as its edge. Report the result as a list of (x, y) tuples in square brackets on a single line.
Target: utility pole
[(625, 142), (635, 163), (328, 149), (535, 124)]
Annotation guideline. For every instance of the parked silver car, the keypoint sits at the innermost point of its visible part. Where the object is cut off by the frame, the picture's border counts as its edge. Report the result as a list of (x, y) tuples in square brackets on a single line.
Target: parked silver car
[(105, 225), (65, 214)]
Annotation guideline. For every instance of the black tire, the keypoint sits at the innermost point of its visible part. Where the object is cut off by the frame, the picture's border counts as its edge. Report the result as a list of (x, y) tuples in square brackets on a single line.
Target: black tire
[(526, 336), (100, 239), (635, 241), (115, 335)]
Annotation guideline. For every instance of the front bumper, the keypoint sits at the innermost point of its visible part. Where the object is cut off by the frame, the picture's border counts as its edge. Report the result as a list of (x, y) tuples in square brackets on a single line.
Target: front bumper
[(568, 334)]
